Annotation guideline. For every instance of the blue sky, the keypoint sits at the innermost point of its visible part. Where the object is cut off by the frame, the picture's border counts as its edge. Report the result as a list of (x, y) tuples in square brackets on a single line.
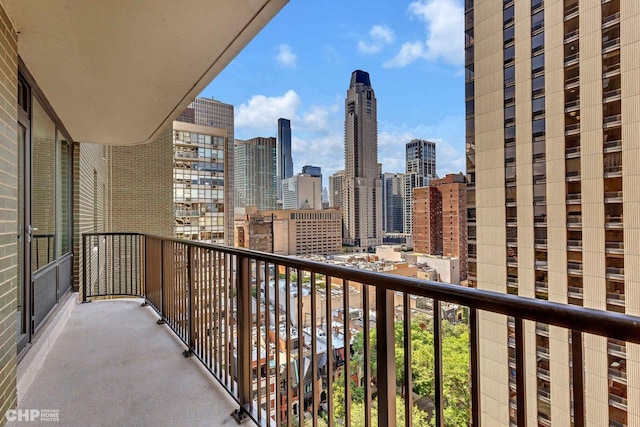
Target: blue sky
[(299, 67)]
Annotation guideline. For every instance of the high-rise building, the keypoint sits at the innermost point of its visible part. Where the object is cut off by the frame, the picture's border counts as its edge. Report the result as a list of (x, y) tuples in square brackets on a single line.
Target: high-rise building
[(199, 186), (212, 114), (553, 137), (292, 231), (216, 114), (336, 182), (284, 161), (302, 192), (420, 170), (362, 186), (440, 219), (393, 202), (255, 173)]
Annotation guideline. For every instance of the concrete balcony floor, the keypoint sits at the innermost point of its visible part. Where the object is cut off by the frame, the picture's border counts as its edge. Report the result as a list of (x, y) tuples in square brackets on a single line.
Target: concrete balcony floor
[(112, 365)]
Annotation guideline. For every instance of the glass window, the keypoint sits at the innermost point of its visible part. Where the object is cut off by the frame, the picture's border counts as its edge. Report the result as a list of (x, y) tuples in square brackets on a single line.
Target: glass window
[(537, 86), (538, 128), (509, 95), (537, 42), (63, 195), (509, 34), (508, 15), (537, 21), (43, 215), (509, 134), (509, 115), (509, 54), (537, 64), (537, 106), (469, 90), (509, 75)]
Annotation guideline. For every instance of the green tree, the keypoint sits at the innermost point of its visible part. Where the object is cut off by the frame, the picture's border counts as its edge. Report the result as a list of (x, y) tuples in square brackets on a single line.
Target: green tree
[(455, 363)]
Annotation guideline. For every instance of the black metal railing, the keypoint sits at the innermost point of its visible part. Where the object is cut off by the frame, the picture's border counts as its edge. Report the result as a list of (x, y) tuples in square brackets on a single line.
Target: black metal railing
[(298, 342)]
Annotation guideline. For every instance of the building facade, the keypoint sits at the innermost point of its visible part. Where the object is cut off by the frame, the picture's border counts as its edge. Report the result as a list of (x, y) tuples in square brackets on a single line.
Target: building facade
[(362, 185), (302, 192), (292, 231), (284, 161), (216, 114), (420, 158), (336, 182), (255, 173), (553, 138), (439, 220), (199, 186), (393, 202)]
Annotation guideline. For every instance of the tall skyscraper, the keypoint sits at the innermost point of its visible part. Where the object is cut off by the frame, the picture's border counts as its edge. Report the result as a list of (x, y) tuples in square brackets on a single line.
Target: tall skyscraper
[(302, 192), (420, 170), (553, 137), (284, 162), (362, 192), (440, 219), (255, 173), (336, 182), (213, 113), (393, 202)]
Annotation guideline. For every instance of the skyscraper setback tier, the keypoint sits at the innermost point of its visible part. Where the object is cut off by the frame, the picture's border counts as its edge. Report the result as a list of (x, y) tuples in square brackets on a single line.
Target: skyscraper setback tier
[(553, 136), (362, 185)]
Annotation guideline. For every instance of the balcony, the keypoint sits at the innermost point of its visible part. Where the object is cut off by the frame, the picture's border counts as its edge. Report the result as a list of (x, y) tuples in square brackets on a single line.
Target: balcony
[(574, 198), (228, 309), (571, 35), (572, 129), (610, 45), (608, 21), (614, 248), (113, 365), (613, 197), (613, 146), (574, 267)]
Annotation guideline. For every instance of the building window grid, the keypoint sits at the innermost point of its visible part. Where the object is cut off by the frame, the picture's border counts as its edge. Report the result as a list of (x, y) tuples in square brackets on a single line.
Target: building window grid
[(510, 190), (470, 137)]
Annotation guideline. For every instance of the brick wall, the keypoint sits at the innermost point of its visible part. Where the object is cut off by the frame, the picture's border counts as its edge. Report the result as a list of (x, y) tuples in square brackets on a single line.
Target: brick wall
[(8, 212), (90, 193), (141, 185)]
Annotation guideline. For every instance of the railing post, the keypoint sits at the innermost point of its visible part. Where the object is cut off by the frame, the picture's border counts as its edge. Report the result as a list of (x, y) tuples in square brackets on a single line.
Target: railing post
[(386, 375), (84, 268), (191, 301), (475, 367), (243, 361), (578, 379)]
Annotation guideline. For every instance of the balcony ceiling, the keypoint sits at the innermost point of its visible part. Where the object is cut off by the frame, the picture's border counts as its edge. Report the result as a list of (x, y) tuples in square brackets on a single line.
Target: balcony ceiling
[(116, 72)]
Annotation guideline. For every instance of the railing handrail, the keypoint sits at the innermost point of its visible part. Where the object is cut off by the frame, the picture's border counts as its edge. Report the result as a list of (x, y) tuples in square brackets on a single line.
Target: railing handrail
[(598, 322)]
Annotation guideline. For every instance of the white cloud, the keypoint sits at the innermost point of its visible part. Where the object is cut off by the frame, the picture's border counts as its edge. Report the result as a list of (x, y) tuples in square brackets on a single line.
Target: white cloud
[(444, 24), (380, 35), (261, 113), (450, 155), (285, 56), (409, 52)]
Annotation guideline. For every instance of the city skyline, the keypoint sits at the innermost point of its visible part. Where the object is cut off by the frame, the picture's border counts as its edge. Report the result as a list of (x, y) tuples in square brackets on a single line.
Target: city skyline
[(301, 78)]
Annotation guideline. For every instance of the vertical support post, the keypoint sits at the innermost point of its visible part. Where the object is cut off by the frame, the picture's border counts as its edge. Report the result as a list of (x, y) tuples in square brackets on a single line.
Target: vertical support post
[(475, 367), (386, 375), (437, 361), (191, 300), (366, 333), (521, 392), (408, 372), (84, 268), (577, 371), (244, 334)]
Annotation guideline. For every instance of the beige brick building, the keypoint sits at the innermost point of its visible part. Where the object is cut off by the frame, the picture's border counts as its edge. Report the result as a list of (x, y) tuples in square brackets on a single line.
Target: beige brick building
[(553, 138), (291, 232)]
